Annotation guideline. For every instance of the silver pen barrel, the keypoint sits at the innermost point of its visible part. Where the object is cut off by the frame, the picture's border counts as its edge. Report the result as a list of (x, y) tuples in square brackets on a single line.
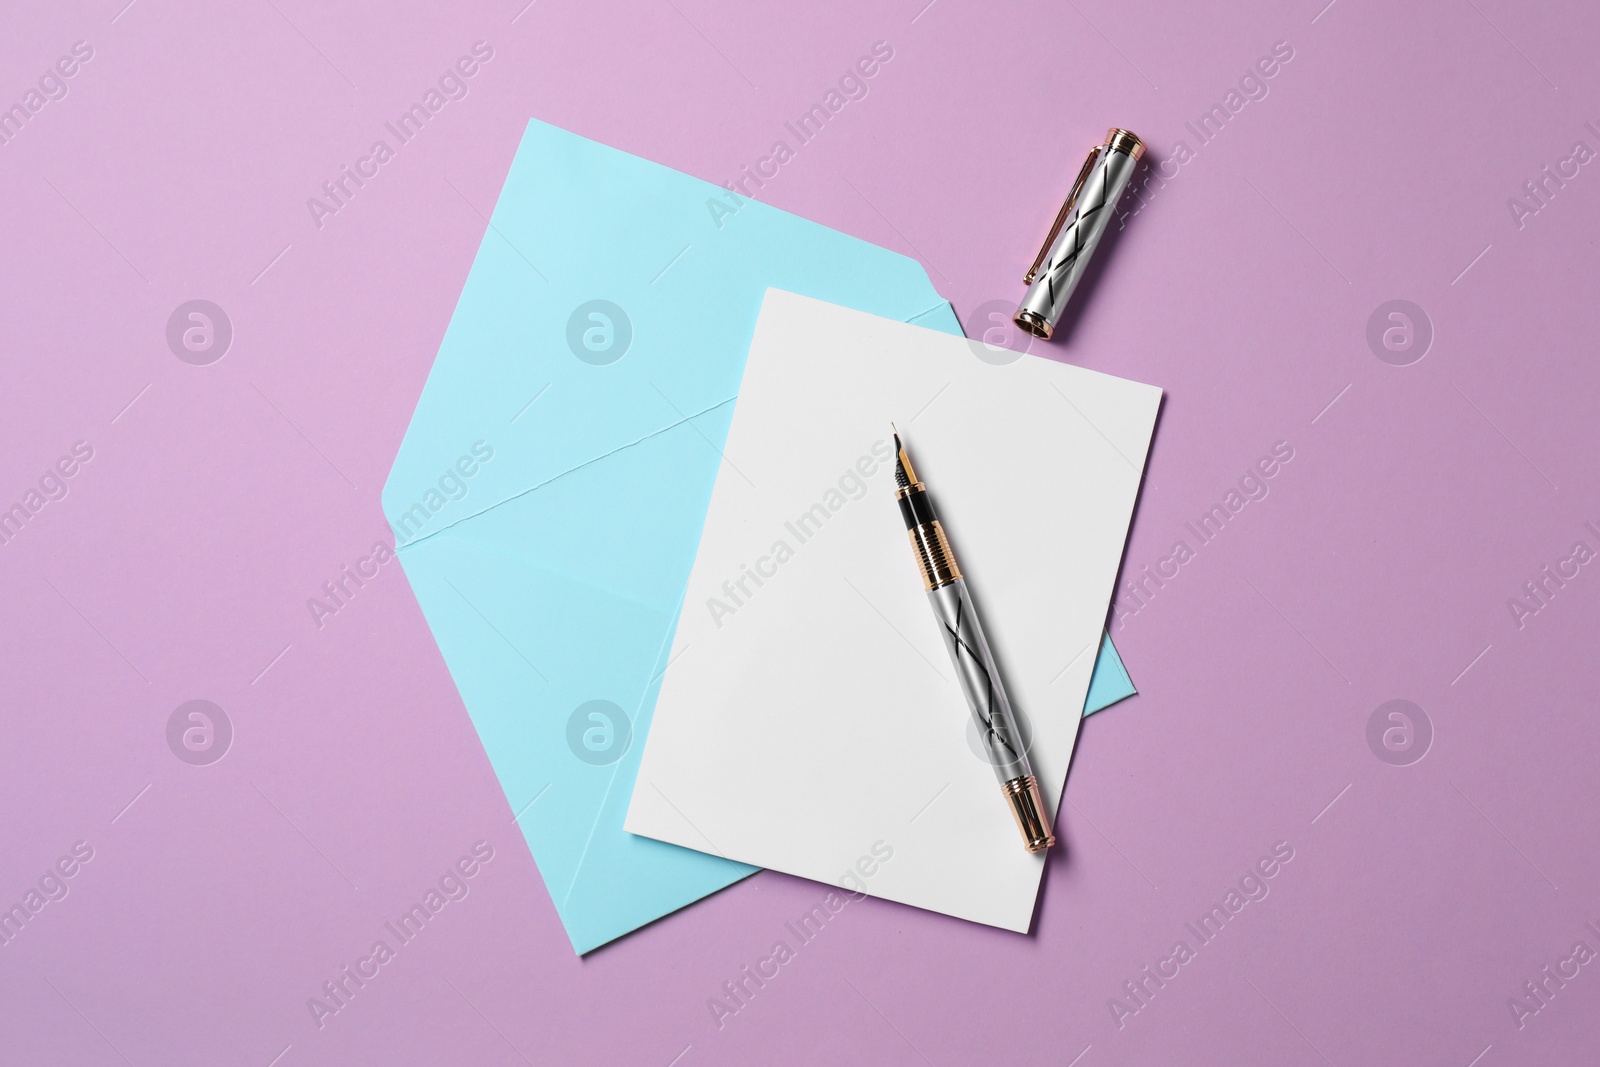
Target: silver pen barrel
[(1076, 232), (969, 651), (980, 680)]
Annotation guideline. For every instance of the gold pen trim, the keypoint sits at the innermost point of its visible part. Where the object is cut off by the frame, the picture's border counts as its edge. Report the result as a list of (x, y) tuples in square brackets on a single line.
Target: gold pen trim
[(1061, 216), (934, 558), (1028, 808), (1124, 141)]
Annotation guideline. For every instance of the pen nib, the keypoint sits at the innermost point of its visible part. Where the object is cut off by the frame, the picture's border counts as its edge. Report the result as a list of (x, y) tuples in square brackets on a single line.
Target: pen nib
[(904, 475)]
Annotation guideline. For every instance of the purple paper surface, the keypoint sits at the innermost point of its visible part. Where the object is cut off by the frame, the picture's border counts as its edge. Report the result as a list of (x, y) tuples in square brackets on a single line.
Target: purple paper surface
[(1417, 540)]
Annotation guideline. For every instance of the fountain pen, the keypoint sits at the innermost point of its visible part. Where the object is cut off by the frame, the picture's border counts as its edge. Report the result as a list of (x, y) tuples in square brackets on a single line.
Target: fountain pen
[(964, 640)]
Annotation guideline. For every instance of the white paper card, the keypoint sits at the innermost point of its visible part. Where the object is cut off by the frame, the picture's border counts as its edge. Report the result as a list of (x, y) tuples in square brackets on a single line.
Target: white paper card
[(809, 719)]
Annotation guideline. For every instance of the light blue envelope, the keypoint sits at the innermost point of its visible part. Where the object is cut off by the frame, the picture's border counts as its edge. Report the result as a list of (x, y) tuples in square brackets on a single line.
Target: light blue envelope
[(549, 495)]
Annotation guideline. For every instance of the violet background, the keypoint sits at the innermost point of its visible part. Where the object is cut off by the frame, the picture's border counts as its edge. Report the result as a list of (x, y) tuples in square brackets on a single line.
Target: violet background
[(220, 497)]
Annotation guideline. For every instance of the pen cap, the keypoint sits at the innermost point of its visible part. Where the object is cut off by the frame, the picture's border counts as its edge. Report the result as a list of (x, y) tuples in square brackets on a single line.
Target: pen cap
[(1077, 230)]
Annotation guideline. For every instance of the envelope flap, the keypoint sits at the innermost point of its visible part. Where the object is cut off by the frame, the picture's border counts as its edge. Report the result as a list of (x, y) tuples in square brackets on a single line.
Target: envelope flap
[(610, 299)]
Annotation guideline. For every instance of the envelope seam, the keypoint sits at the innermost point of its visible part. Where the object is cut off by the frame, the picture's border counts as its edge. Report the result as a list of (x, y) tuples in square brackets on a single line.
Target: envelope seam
[(570, 470)]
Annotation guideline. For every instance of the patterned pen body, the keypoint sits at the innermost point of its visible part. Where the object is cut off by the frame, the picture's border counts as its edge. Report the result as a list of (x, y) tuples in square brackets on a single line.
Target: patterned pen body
[(1076, 232), (980, 679)]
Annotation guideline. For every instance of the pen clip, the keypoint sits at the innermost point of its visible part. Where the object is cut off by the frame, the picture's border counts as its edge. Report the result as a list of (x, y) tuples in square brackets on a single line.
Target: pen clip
[(1061, 216)]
